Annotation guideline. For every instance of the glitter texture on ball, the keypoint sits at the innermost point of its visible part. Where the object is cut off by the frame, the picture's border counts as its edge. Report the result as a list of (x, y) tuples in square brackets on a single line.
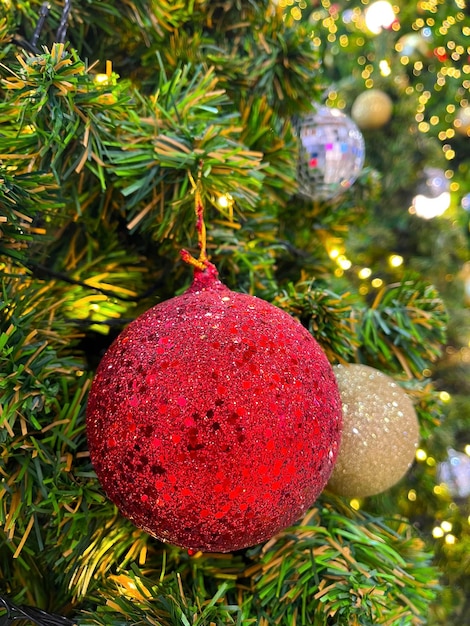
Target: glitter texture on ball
[(380, 432), (214, 419), (372, 109)]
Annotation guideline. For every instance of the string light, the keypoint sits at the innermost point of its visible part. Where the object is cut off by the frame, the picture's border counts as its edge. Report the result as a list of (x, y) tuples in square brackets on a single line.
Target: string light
[(384, 67), (364, 273), (443, 531), (224, 201), (433, 197), (395, 260), (378, 16), (421, 455), (101, 79), (355, 504), (344, 262)]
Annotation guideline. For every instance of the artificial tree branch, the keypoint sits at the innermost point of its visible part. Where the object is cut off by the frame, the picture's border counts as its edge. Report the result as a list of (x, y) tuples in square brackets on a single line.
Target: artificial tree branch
[(16, 613)]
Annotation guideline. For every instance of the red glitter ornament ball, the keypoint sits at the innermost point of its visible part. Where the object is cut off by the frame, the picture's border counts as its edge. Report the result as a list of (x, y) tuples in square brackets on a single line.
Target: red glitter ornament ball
[(214, 419)]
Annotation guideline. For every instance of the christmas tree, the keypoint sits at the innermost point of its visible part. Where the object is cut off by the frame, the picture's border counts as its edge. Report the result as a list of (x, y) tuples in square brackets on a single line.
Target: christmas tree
[(133, 130)]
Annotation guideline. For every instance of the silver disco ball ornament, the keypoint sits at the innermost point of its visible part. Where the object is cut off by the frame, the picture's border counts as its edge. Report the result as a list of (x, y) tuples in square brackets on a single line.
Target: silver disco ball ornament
[(331, 154), (455, 473)]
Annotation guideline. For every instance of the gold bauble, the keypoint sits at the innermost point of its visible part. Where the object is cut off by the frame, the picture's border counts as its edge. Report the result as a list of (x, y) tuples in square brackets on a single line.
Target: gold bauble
[(372, 109), (462, 121), (380, 432)]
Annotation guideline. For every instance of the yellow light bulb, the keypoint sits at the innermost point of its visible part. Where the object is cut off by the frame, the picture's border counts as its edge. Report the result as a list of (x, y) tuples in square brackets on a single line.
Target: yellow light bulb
[(343, 262), (101, 79), (427, 208), (385, 68), (395, 260), (224, 201), (364, 273), (421, 454), (379, 15), (437, 532)]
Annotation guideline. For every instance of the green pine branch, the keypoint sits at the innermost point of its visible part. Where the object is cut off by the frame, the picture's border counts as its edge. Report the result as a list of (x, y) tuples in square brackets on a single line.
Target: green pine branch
[(405, 328)]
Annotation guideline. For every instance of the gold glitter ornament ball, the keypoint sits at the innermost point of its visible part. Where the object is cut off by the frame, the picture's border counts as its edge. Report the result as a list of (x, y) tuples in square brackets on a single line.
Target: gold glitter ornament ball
[(372, 109), (380, 432)]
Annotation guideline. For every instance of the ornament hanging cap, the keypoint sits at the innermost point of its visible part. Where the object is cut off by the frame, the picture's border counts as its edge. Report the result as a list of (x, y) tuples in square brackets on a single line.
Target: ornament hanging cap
[(205, 272)]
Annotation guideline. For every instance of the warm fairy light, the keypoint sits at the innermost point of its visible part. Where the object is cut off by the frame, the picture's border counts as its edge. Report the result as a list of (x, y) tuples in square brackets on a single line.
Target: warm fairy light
[(446, 526), (343, 262), (428, 208), (377, 282), (364, 273), (355, 504), (395, 260), (296, 13), (439, 490), (430, 461), (437, 532), (421, 454), (101, 79), (224, 201), (450, 539), (446, 134), (379, 15), (444, 396), (412, 495), (385, 68), (467, 449), (334, 253)]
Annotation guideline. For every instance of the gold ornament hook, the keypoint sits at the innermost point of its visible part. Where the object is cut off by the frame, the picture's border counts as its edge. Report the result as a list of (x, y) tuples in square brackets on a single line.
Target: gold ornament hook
[(202, 262)]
